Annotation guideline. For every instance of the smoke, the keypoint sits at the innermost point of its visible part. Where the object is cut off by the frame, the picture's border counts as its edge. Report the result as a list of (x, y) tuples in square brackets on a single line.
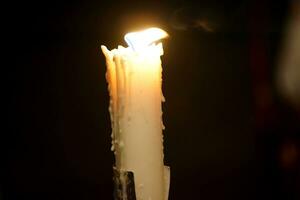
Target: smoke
[(188, 18), (210, 17)]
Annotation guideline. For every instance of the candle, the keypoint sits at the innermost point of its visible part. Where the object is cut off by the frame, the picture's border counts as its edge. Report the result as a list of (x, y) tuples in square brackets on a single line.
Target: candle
[(134, 76)]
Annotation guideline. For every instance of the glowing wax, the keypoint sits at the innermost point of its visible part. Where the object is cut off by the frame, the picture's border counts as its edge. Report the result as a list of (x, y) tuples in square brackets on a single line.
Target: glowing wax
[(134, 77)]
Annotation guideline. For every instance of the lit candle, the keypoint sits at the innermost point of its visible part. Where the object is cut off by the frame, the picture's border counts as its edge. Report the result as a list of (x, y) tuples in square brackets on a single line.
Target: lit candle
[(134, 76)]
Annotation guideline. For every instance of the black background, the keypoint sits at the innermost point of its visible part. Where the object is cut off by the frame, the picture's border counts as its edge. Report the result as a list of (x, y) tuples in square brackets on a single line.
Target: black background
[(57, 145)]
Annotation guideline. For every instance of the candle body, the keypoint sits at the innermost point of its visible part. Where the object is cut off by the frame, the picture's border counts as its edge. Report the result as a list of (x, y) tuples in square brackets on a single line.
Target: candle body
[(134, 81)]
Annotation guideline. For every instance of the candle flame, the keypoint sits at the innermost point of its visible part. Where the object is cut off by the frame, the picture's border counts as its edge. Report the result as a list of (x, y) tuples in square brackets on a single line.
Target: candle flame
[(141, 39)]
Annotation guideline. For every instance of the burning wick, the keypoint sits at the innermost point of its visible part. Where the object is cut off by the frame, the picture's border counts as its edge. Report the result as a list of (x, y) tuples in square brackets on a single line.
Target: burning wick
[(141, 39)]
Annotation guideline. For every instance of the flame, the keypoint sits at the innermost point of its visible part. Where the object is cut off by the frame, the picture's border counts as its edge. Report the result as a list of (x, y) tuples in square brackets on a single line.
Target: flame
[(141, 39)]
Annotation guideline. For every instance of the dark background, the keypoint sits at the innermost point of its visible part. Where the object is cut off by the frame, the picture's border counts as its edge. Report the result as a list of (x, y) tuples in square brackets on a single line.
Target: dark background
[(226, 126)]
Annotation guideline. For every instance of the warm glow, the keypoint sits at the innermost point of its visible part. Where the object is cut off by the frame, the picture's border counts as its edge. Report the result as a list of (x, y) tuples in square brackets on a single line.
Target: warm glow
[(140, 40)]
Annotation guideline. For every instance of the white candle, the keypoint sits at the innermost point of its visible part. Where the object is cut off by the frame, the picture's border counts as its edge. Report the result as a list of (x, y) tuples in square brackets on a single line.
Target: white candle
[(134, 77)]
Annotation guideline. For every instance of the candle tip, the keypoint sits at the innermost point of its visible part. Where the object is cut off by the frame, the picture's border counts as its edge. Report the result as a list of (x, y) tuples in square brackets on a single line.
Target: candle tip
[(141, 39), (104, 49)]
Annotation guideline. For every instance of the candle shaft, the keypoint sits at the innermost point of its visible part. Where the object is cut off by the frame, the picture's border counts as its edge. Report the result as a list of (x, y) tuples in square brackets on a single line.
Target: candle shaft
[(134, 83)]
